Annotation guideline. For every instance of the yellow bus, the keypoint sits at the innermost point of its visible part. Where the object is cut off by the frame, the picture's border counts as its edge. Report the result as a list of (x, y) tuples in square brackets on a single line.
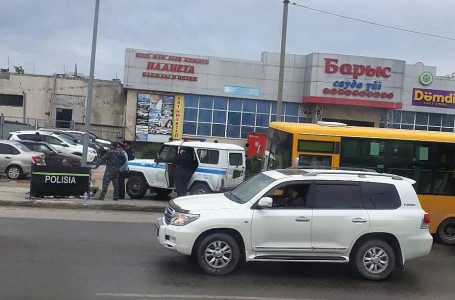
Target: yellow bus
[(428, 157)]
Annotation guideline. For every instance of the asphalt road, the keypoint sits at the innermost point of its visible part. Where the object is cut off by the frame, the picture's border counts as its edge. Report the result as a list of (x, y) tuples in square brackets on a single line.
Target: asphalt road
[(67, 254)]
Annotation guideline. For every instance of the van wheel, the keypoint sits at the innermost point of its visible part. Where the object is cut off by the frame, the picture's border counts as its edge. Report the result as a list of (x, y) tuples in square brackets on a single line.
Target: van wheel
[(446, 231), (162, 192), (218, 254), (14, 172), (200, 188), (136, 187), (375, 260)]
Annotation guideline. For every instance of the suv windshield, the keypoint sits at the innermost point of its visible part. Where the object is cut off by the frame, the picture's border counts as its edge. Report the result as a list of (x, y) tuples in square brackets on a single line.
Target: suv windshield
[(246, 191)]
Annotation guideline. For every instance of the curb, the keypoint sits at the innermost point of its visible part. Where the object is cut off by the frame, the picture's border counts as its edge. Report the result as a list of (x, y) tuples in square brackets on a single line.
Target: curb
[(82, 205)]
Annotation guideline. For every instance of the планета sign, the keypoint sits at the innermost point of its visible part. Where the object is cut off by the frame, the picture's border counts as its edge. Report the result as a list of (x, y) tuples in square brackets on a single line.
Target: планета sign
[(59, 181)]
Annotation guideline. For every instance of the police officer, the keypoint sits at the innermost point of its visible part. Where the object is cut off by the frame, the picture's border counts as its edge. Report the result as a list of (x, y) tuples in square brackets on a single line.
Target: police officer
[(114, 160), (185, 165)]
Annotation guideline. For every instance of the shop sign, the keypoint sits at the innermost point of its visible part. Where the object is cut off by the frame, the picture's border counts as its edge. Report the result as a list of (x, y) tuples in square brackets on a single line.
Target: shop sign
[(433, 98), (172, 66), (355, 87), (177, 127), (241, 90)]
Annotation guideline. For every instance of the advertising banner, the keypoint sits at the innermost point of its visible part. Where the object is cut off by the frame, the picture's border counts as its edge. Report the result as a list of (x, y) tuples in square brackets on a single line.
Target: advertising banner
[(433, 98), (178, 117), (59, 181), (154, 117)]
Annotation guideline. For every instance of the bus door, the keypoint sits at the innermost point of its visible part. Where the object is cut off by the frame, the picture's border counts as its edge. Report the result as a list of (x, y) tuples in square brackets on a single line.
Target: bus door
[(318, 151)]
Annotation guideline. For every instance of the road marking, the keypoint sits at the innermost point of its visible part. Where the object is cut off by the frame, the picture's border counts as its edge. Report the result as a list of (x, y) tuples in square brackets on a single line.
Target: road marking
[(174, 296)]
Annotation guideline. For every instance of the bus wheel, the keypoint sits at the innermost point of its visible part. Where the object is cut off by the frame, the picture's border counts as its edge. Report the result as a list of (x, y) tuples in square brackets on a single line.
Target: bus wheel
[(446, 231), (200, 188)]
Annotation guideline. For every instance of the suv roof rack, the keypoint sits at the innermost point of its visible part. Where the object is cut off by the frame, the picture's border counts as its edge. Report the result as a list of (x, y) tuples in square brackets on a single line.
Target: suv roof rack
[(336, 168), (360, 174)]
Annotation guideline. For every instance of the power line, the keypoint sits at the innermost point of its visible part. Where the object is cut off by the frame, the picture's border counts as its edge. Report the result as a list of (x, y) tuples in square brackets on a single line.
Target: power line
[(374, 23)]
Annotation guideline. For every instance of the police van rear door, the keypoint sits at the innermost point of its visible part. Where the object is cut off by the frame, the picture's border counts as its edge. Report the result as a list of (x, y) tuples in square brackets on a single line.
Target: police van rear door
[(236, 169)]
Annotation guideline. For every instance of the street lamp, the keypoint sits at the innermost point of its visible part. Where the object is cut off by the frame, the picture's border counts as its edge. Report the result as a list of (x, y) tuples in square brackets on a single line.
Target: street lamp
[(282, 59), (90, 87)]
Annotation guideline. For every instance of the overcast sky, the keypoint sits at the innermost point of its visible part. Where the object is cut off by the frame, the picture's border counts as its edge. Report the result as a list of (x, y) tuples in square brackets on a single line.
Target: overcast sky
[(48, 36)]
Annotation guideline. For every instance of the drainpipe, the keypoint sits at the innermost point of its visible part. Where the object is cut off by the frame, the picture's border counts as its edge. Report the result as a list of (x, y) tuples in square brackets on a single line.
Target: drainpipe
[(24, 106)]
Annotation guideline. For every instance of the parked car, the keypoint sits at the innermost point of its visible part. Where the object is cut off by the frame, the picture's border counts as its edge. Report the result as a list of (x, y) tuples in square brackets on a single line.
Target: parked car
[(16, 159), (54, 157), (60, 143), (374, 221), (221, 167), (101, 145)]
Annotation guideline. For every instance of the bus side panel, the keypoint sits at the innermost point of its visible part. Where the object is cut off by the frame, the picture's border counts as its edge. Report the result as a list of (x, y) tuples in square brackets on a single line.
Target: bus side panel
[(439, 208)]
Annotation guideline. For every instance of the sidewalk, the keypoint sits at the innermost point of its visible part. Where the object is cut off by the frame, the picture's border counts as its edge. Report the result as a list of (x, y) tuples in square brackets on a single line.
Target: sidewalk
[(15, 193)]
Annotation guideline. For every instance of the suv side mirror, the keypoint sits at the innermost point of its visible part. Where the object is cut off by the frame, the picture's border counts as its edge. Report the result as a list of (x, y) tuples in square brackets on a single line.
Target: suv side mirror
[(265, 202), (51, 153)]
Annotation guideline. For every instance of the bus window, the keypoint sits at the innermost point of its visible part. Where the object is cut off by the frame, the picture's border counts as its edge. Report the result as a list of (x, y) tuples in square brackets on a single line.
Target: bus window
[(362, 153), (306, 160)]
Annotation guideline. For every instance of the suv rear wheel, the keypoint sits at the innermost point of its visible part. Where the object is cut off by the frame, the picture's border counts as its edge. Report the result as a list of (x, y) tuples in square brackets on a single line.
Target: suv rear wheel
[(446, 231), (218, 254), (200, 188), (375, 260)]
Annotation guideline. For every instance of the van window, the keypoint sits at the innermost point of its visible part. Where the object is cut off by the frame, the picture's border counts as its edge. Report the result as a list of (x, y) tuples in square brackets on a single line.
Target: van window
[(235, 159), (167, 154), (208, 156)]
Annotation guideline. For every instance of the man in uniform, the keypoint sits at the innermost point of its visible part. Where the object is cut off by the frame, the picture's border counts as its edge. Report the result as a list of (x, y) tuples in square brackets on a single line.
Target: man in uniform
[(114, 160)]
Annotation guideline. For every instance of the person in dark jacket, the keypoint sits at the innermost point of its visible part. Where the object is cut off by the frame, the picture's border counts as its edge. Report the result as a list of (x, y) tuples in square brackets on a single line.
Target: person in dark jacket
[(185, 165), (129, 150), (114, 160)]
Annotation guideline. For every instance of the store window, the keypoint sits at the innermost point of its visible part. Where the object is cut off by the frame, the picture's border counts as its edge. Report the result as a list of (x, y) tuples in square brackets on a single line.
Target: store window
[(206, 102), (220, 103)]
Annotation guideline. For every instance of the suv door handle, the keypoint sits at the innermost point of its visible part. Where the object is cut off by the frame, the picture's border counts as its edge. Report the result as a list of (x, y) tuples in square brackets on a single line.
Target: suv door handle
[(359, 220), (7, 157), (302, 219)]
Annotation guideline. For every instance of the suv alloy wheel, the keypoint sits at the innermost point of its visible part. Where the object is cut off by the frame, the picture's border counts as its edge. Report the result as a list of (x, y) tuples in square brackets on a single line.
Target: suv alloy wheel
[(218, 254), (375, 259)]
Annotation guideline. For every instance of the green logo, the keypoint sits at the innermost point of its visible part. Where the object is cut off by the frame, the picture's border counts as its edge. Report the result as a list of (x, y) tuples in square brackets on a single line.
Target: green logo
[(426, 78)]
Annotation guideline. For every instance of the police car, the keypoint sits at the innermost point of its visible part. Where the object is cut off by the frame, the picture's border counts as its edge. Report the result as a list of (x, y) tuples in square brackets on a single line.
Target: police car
[(220, 167)]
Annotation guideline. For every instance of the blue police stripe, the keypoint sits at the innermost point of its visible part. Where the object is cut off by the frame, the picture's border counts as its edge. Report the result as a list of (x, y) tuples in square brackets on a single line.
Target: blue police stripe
[(159, 166)]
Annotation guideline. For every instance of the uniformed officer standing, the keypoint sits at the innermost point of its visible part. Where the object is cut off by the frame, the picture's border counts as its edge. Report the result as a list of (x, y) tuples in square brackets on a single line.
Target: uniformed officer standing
[(185, 165), (114, 160)]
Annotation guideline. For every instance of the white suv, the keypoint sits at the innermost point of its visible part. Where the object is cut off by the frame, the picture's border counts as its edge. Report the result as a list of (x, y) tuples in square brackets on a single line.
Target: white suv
[(59, 142), (372, 220)]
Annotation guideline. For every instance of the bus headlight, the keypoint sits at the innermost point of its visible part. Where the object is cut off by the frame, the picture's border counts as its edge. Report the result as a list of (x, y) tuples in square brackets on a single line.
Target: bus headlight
[(181, 219)]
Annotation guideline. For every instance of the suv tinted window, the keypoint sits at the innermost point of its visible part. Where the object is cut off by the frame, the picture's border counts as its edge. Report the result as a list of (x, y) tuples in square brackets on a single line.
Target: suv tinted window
[(52, 140), (338, 196), (380, 196), (208, 156)]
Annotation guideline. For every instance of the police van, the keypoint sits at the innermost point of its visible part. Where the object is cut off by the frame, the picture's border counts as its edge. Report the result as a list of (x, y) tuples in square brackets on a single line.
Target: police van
[(221, 167)]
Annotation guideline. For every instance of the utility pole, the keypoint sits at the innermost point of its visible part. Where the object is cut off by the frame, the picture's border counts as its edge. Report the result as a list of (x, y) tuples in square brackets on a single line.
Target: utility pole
[(88, 105), (282, 59)]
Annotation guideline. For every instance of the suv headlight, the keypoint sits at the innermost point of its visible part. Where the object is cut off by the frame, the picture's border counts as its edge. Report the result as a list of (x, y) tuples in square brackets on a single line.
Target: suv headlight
[(181, 219)]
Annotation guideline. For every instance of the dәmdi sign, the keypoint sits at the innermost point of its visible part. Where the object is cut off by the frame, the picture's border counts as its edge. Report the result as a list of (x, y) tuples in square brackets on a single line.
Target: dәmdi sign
[(433, 98)]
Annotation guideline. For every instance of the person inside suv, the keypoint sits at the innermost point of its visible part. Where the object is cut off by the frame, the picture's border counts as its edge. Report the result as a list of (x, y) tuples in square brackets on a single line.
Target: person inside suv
[(295, 197)]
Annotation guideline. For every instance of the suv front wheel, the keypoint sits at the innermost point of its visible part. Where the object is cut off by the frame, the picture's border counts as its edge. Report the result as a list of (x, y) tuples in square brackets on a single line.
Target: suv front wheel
[(375, 260), (218, 254)]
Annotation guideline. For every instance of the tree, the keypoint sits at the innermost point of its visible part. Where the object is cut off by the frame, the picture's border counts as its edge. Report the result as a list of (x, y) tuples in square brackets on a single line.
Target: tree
[(19, 69)]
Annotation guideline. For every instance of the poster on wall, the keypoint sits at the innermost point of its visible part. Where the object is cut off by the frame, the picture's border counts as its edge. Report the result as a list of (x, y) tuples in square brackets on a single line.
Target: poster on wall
[(154, 117)]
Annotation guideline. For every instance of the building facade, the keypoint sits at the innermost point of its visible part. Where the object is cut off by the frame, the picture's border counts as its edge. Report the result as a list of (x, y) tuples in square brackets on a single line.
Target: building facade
[(59, 101), (225, 99)]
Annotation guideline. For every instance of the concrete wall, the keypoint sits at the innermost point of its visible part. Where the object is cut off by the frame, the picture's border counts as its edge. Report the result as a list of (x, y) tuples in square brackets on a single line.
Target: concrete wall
[(108, 102)]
